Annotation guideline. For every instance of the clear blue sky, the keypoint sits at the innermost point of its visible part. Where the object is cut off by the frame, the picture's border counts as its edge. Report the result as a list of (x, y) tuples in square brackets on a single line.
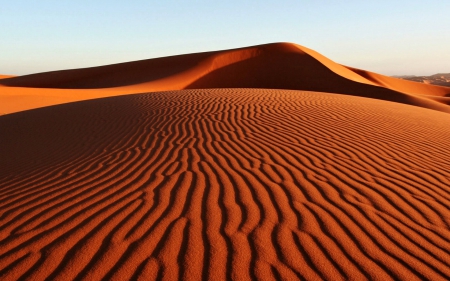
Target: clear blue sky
[(390, 37)]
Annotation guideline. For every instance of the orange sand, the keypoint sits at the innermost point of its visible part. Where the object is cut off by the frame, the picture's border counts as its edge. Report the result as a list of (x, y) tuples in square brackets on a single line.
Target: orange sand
[(224, 184), (273, 66), (221, 184)]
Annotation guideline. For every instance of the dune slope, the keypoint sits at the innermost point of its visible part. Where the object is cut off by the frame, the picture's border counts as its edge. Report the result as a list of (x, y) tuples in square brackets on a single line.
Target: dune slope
[(273, 66), (225, 184)]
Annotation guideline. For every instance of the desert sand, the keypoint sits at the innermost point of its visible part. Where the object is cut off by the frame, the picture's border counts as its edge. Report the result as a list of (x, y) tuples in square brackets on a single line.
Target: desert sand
[(262, 163), (271, 66)]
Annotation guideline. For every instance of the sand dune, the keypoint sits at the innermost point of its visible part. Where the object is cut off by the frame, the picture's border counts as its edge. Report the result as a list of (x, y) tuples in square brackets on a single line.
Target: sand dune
[(225, 184), (272, 66), (269, 162), (403, 85)]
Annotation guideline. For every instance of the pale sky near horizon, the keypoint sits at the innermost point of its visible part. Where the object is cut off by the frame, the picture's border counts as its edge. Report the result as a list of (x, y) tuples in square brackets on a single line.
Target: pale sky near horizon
[(389, 37)]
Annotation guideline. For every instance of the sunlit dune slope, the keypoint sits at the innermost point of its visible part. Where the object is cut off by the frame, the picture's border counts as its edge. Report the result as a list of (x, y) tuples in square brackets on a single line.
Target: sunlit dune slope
[(15, 99), (225, 184), (6, 76), (271, 66)]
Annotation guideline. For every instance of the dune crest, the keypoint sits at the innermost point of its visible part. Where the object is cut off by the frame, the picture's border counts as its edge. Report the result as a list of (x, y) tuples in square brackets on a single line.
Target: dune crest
[(270, 66)]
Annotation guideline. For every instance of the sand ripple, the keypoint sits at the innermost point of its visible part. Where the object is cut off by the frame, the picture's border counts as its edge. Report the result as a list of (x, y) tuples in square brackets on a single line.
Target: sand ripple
[(225, 184)]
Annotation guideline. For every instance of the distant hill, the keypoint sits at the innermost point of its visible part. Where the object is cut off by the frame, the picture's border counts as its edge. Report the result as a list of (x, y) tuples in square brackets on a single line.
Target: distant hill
[(441, 79)]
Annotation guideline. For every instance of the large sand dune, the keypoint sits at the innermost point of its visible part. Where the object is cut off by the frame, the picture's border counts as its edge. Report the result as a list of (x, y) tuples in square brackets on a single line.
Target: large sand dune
[(272, 66), (229, 165), (225, 184)]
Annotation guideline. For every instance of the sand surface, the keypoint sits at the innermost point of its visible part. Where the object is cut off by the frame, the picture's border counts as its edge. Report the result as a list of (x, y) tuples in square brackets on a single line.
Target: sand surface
[(225, 184), (269, 162), (272, 66)]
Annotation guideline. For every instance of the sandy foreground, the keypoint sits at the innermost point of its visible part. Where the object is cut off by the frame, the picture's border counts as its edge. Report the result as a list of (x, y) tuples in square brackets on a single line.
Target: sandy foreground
[(224, 183)]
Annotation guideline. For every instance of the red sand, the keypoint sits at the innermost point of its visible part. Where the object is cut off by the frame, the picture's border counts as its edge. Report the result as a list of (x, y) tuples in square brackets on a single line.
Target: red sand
[(226, 184)]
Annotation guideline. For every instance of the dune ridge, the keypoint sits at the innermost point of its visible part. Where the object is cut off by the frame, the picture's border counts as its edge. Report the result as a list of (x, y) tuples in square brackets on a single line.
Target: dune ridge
[(272, 66), (225, 184)]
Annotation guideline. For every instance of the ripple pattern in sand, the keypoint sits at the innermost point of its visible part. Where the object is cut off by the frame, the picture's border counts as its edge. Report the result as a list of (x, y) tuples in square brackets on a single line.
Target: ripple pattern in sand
[(225, 184)]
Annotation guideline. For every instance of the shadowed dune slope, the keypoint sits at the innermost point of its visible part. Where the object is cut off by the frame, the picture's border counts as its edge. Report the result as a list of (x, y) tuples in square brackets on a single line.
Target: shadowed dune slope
[(225, 184), (431, 92), (270, 66)]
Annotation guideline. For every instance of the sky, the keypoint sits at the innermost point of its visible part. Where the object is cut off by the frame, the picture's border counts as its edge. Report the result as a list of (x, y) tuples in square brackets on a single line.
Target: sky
[(389, 37)]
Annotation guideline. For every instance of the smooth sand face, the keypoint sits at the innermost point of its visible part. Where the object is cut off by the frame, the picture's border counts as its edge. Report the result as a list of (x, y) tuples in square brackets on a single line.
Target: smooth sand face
[(272, 66), (222, 184)]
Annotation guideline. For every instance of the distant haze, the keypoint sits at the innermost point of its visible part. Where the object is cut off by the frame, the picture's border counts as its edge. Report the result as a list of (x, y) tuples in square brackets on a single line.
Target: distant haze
[(388, 37)]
